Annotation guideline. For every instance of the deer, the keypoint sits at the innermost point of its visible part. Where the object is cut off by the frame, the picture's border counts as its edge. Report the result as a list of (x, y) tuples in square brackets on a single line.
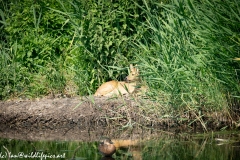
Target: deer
[(118, 88)]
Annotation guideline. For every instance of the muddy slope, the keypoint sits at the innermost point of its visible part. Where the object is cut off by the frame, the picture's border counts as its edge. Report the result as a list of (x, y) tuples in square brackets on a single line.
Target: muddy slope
[(90, 114)]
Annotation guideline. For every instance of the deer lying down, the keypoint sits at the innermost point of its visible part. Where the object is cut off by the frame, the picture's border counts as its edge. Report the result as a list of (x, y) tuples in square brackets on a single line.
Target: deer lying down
[(117, 88)]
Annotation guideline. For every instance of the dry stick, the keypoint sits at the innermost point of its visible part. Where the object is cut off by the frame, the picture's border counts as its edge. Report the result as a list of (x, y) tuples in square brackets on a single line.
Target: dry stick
[(199, 118), (7, 152), (201, 149), (75, 151), (35, 149), (229, 112)]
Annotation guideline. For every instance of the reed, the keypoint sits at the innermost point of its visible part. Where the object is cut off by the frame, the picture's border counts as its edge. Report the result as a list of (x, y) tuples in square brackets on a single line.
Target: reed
[(186, 54)]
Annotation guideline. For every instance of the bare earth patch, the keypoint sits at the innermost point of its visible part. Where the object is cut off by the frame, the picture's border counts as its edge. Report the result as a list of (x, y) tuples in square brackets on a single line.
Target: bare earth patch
[(89, 118)]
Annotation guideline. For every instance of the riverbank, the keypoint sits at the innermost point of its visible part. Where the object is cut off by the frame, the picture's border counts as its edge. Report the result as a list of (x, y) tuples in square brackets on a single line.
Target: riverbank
[(90, 114)]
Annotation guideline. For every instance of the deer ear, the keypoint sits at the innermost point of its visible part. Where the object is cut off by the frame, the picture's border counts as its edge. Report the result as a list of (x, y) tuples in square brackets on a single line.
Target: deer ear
[(131, 67)]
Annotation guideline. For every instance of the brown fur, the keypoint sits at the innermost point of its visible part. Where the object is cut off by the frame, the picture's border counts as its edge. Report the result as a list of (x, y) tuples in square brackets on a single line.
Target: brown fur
[(117, 88)]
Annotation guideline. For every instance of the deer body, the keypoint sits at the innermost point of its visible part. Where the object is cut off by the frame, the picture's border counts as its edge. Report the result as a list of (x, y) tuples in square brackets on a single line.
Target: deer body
[(117, 88)]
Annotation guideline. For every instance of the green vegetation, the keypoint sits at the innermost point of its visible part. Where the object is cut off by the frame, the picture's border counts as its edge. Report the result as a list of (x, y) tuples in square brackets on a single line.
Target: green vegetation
[(185, 49), (188, 51)]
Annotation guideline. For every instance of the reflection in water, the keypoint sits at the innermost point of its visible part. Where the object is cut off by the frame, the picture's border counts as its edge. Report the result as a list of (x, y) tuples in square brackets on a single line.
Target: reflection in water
[(214, 147), (133, 147), (192, 147), (106, 147)]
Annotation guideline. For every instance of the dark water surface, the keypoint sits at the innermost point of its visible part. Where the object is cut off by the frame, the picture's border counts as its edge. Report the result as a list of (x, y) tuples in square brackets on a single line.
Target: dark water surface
[(213, 146)]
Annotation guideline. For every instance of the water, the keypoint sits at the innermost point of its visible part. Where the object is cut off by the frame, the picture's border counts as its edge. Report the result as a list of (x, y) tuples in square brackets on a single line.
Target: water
[(215, 146)]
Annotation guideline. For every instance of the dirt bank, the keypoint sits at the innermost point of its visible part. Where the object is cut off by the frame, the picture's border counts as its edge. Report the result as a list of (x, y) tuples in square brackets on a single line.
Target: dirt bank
[(100, 116)]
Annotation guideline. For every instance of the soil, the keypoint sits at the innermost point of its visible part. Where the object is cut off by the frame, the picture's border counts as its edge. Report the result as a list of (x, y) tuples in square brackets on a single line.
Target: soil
[(88, 118)]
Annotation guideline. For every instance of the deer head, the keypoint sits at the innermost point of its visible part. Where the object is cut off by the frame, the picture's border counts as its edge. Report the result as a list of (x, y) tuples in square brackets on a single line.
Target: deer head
[(133, 75)]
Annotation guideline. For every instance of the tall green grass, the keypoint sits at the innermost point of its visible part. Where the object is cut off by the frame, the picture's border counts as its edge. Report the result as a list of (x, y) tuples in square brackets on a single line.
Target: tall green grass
[(187, 53)]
